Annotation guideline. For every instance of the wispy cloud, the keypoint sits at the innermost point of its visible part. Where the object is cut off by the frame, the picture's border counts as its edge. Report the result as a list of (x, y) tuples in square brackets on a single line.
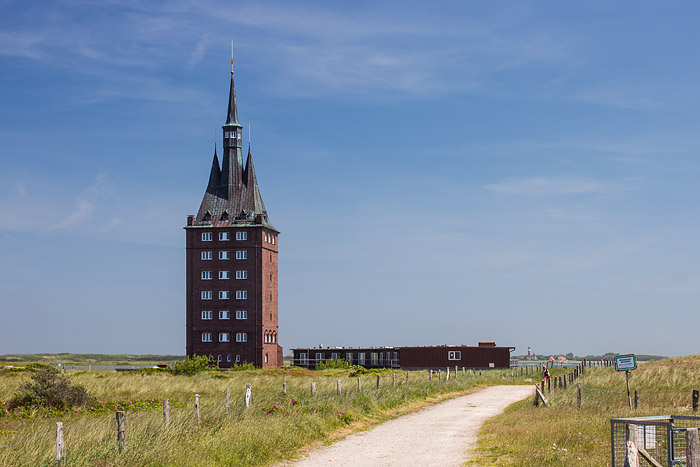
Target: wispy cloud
[(84, 205), (547, 186)]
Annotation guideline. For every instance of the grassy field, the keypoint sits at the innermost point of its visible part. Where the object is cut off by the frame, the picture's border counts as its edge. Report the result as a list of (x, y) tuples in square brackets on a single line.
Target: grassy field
[(563, 435), (274, 428), (70, 359)]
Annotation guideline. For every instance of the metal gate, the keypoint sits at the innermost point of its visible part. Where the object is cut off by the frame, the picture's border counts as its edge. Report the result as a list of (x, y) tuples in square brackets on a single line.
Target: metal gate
[(663, 437)]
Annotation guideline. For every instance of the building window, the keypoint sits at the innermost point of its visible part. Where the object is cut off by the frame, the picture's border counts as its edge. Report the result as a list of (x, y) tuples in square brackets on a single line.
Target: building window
[(241, 235), (266, 338), (206, 255), (224, 315), (224, 294), (241, 254), (303, 358), (206, 275), (224, 337), (224, 275), (242, 274), (454, 355), (206, 236), (348, 357), (241, 314), (335, 356), (206, 295), (238, 359), (273, 240), (265, 358), (224, 254), (224, 236), (241, 294), (241, 337), (226, 134), (361, 358), (228, 358), (207, 314), (206, 337), (374, 358)]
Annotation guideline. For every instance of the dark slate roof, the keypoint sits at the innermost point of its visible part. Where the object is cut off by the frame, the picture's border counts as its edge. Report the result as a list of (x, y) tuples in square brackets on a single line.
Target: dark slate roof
[(232, 197)]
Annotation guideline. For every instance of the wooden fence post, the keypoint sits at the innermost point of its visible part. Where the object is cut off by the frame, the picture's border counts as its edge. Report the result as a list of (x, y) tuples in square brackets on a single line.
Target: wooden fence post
[(447, 374), (378, 378), (632, 457), (455, 371), (549, 385), (313, 388), (121, 430), (579, 394), (430, 375), (359, 384), (166, 412), (248, 398), (196, 408), (407, 377), (228, 399), (284, 388), (696, 397), (338, 387), (464, 371), (60, 448), (692, 448), (393, 378), (636, 399), (439, 375)]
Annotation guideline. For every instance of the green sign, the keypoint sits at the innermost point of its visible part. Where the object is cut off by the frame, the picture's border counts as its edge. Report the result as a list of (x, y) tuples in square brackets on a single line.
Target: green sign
[(625, 362)]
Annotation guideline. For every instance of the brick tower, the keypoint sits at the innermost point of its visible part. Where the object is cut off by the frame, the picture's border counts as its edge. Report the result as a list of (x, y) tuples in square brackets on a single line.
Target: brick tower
[(232, 263)]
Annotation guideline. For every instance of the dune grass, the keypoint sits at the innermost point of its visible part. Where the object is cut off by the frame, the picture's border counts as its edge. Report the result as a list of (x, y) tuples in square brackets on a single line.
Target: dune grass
[(563, 435), (273, 429)]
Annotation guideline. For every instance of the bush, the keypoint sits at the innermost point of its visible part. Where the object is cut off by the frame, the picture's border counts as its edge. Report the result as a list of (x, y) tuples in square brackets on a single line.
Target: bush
[(192, 366), (335, 364), (47, 388)]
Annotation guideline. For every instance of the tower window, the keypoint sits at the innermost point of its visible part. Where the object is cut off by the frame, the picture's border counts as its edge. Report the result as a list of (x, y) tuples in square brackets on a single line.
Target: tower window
[(206, 236), (224, 236), (228, 358), (241, 254), (241, 314), (226, 134), (206, 295), (224, 275), (242, 274), (206, 255), (224, 255), (206, 337), (206, 275), (241, 337), (241, 294), (224, 337), (207, 315), (224, 294), (224, 315), (241, 235), (265, 358)]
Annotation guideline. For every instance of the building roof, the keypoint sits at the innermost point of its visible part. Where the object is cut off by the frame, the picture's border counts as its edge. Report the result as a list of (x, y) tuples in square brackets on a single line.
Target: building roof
[(232, 197)]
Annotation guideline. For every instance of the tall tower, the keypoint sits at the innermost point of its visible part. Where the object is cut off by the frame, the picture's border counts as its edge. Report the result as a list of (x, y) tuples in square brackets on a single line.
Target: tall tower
[(232, 263)]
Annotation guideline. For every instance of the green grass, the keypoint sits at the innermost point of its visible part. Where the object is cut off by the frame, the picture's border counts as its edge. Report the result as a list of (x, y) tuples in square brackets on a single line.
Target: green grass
[(562, 435), (88, 359), (260, 435)]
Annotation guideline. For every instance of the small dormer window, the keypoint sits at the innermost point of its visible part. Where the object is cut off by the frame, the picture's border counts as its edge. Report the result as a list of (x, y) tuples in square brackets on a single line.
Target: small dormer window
[(224, 217), (207, 217)]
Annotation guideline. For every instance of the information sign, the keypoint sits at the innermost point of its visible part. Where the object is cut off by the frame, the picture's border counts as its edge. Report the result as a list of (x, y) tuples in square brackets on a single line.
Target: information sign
[(625, 362)]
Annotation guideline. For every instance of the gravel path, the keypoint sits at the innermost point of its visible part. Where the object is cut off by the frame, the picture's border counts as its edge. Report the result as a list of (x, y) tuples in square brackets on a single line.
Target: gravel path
[(435, 436)]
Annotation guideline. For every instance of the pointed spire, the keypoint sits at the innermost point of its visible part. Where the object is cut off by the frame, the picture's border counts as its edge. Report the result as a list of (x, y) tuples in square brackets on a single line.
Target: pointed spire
[(253, 197), (214, 175), (232, 116)]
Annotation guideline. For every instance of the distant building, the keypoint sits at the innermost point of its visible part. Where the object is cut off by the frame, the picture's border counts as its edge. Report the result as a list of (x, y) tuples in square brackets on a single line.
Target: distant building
[(486, 355), (232, 262)]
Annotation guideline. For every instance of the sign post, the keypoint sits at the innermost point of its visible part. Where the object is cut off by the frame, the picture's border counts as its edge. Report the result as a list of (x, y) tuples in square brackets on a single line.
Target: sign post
[(626, 363)]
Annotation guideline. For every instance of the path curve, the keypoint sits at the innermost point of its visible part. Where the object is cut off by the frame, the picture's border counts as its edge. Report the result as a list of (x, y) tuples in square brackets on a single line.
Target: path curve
[(437, 435)]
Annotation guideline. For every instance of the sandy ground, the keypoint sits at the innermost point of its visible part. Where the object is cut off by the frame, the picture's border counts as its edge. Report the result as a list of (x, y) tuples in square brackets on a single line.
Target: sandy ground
[(435, 436)]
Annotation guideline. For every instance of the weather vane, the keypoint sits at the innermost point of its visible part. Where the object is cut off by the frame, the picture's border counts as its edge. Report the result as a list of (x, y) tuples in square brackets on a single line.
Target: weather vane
[(232, 62)]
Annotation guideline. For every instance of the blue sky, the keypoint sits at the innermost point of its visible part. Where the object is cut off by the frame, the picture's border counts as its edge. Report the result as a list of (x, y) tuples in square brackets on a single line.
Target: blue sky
[(446, 173)]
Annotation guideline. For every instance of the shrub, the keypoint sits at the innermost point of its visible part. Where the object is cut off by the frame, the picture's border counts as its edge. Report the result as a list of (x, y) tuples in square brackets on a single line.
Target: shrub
[(244, 367), (47, 388), (335, 364), (192, 366)]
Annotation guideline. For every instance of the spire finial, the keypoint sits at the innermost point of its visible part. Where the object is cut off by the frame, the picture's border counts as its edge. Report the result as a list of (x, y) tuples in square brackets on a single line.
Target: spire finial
[(232, 62), (249, 135)]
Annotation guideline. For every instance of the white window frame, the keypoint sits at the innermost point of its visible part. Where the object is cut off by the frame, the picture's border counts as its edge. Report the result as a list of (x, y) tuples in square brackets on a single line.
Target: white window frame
[(241, 254), (224, 295), (241, 314), (361, 358), (241, 295), (223, 275), (207, 236), (206, 275), (238, 359), (303, 358), (224, 337), (241, 235), (206, 337), (265, 358), (241, 337), (206, 256), (242, 274), (207, 315), (206, 295), (224, 236), (335, 356), (224, 314), (228, 359), (224, 254), (454, 355)]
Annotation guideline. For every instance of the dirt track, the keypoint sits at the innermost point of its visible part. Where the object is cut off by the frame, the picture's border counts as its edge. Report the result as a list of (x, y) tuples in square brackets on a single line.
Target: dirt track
[(435, 436)]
